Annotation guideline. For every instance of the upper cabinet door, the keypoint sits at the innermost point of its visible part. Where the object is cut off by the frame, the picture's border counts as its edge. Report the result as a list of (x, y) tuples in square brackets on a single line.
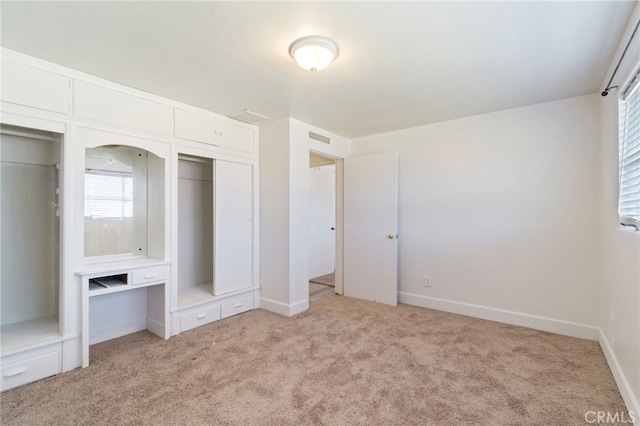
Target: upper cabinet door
[(111, 106), (26, 85), (233, 236), (207, 129)]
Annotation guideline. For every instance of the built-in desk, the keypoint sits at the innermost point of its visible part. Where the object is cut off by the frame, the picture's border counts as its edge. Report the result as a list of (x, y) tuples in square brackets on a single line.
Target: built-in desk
[(122, 297)]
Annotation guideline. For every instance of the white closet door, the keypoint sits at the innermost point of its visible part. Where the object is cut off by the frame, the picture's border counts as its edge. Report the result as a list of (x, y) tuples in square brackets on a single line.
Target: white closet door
[(233, 208)]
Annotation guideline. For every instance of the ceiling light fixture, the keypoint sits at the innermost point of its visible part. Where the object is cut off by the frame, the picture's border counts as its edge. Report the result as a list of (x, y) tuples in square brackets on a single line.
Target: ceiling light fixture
[(314, 53)]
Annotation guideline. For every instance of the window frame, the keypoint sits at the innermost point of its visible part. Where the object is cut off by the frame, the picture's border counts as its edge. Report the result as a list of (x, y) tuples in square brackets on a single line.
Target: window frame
[(631, 94)]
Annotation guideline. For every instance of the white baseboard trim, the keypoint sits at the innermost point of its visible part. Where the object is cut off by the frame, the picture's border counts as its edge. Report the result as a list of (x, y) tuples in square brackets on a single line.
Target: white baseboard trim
[(298, 307), (283, 308), (628, 395), (273, 306), (157, 328), (117, 330), (551, 325)]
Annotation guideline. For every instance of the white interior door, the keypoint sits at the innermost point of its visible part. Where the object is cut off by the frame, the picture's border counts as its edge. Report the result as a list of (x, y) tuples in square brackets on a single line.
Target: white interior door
[(370, 227), (322, 220)]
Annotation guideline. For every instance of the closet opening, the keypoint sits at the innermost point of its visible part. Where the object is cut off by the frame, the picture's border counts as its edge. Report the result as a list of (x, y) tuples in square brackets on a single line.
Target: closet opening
[(30, 176), (322, 227), (195, 229)]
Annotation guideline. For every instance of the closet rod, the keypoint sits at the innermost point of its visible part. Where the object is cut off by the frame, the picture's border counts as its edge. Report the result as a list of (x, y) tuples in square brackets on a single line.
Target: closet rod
[(605, 92), (25, 134)]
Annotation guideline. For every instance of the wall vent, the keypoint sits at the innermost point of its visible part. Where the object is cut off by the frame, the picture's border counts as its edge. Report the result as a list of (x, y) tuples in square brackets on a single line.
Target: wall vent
[(319, 138)]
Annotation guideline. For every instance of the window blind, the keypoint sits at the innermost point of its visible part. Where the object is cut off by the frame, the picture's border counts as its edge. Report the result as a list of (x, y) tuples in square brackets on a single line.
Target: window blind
[(629, 204), (108, 196)]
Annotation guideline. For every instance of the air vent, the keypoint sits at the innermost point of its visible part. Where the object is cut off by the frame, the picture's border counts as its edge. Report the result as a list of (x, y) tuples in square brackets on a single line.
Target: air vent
[(319, 138)]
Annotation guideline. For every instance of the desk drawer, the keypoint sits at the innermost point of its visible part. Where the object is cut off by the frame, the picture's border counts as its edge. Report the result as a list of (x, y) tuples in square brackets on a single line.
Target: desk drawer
[(31, 369), (150, 275), (198, 317), (237, 305)]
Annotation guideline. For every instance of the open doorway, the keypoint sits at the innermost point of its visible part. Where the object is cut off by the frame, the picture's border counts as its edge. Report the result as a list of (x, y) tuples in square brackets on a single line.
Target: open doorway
[(322, 228)]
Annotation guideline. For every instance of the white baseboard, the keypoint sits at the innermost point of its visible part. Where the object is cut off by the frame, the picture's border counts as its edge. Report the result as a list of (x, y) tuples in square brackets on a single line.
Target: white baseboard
[(117, 330), (156, 328), (298, 307), (551, 325), (283, 308), (628, 395)]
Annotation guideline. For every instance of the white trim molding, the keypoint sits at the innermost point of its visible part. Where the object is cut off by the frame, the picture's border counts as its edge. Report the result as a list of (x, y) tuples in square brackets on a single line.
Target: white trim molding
[(628, 395), (283, 308), (551, 325)]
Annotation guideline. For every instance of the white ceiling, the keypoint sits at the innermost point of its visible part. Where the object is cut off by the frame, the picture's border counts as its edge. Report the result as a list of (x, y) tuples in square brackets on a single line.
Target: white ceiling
[(401, 64)]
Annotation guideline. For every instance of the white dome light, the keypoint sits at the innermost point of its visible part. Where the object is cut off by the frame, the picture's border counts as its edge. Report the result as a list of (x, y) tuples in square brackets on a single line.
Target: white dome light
[(314, 53)]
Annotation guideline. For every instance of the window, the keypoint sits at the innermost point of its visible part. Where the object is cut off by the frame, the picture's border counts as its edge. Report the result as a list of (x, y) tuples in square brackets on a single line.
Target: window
[(629, 200), (108, 195)]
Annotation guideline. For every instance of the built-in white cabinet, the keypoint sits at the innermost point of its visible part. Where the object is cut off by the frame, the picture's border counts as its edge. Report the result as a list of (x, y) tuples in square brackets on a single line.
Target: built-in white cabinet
[(126, 275), (30, 265), (34, 87), (120, 211), (124, 296), (111, 106), (214, 222), (207, 129)]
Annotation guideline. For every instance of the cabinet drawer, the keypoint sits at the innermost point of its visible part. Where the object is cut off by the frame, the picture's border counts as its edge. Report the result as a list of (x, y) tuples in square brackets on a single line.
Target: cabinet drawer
[(150, 275), (199, 317), (208, 129), (30, 370), (237, 305)]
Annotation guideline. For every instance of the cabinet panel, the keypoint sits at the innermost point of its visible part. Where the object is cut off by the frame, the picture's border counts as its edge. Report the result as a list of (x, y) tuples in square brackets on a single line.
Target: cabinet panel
[(110, 106), (233, 207), (237, 305), (31, 368), (200, 316), (30, 86), (206, 129)]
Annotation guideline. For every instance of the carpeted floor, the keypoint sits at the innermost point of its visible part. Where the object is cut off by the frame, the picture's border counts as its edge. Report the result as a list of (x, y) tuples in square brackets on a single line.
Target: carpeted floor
[(342, 362)]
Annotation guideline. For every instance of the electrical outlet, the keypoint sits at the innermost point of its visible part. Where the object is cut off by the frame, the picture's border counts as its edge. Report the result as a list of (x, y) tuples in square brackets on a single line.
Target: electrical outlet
[(427, 281)]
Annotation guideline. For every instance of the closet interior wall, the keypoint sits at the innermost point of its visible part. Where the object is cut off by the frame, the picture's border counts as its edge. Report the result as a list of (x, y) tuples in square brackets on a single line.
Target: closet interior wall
[(195, 226), (30, 269)]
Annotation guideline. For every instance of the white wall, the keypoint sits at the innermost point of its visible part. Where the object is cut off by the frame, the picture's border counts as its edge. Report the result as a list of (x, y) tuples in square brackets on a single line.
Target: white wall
[(501, 211), (284, 195), (619, 298), (274, 214)]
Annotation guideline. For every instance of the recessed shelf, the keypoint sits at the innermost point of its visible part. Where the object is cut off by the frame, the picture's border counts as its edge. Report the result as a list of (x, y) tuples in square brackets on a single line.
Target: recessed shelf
[(108, 282), (27, 333), (193, 295)]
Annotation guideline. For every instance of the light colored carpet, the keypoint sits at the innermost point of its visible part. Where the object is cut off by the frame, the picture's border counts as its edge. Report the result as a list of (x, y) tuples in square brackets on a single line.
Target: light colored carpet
[(342, 362), (329, 279)]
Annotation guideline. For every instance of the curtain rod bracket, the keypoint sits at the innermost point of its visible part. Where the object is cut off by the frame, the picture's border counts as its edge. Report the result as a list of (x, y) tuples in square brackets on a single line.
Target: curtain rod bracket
[(605, 92)]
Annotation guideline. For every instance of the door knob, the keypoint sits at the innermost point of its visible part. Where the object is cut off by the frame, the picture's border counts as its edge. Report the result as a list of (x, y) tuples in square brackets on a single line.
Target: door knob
[(390, 236)]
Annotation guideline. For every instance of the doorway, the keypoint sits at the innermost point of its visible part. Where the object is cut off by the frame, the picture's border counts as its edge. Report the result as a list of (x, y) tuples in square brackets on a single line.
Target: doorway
[(322, 228)]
